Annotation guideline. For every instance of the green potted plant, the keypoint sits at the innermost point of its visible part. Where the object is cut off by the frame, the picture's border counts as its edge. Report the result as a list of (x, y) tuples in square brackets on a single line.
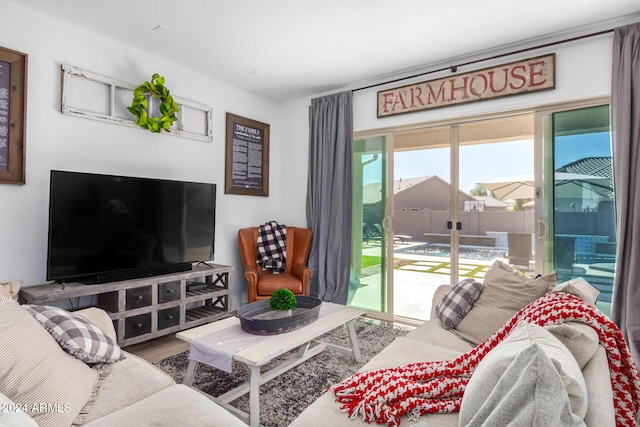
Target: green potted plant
[(282, 301)]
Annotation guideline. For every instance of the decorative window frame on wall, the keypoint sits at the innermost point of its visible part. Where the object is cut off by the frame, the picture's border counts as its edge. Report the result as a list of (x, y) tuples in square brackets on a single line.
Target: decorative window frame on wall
[(92, 96)]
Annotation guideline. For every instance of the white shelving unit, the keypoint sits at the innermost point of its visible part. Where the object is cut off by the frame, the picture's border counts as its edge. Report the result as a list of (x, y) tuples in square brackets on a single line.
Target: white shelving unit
[(146, 308)]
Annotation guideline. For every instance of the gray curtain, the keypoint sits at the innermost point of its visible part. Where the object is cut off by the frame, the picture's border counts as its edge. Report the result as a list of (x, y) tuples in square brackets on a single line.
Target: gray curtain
[(329, 194), (625, 124)]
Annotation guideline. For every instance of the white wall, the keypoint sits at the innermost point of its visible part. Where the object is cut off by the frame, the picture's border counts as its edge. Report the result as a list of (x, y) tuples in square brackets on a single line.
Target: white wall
[(57, 141), (583, 71)]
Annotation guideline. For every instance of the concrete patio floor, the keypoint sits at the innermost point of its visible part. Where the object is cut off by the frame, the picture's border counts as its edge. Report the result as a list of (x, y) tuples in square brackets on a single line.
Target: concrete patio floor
[(416, 278)]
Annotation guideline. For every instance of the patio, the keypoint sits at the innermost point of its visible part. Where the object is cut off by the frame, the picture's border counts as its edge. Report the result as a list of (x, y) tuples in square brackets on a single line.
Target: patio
[(416, 278)]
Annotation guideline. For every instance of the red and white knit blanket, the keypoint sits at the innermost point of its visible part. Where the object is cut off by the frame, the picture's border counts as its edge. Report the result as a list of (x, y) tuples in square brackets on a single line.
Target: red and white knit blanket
[(415, 389)]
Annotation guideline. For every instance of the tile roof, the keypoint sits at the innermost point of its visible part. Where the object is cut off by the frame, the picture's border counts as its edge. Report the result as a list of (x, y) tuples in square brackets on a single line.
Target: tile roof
[(594, 166)]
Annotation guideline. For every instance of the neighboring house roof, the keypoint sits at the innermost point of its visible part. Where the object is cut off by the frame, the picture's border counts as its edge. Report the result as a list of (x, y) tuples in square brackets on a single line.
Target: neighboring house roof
[(404, 183), (371, 193), (594, 166), (491, 202)]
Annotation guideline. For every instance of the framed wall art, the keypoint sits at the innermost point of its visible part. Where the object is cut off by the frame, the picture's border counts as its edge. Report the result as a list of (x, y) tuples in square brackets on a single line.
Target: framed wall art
[(246, 157), (13, 109)]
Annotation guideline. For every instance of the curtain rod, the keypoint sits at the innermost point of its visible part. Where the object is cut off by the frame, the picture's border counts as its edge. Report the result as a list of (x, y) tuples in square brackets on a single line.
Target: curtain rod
[(454, 68)]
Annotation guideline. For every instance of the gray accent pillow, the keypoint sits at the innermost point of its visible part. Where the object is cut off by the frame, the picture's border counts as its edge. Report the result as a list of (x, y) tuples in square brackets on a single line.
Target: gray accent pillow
[(458, 302), (76, 335), (505, 291), (530, 379)]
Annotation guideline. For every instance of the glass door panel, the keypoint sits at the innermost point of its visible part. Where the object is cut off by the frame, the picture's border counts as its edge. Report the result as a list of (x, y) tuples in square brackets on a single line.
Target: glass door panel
[(584, 226), (421, 212), (539, 203), (447, 227), (367, 287), (496, 195)]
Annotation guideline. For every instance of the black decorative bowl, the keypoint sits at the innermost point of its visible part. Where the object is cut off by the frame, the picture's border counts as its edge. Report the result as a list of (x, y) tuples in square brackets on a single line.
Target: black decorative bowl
[(259, 319)]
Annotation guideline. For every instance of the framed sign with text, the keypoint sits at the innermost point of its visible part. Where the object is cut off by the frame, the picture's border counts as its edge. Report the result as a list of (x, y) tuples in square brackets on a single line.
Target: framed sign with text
[(246, 157), (13, 108), (514, 78)]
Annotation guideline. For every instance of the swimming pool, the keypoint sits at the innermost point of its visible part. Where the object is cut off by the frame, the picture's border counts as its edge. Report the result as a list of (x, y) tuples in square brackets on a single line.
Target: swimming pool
[(467, 252)]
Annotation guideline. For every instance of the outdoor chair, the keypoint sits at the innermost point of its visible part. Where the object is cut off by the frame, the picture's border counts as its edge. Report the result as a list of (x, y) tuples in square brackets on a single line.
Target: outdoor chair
[(296, 276), (370, 233), (519, 249), (565, 258)]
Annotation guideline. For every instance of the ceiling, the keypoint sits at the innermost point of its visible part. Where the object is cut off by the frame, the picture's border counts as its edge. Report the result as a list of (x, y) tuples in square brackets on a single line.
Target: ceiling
[(284, 49)]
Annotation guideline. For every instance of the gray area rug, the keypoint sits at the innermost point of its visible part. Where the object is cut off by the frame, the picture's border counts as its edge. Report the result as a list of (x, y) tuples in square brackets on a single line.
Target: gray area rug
[(283, 398)]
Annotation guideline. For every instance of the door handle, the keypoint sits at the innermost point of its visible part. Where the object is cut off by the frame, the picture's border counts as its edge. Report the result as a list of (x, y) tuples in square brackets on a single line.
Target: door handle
[(543, 229)]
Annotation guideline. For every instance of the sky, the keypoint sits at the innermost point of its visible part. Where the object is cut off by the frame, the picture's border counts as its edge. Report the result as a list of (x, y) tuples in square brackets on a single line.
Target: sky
[(485, 162)]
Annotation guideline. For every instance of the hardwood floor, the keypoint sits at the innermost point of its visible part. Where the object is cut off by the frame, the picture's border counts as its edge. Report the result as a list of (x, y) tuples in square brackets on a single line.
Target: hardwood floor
[(158, 348)]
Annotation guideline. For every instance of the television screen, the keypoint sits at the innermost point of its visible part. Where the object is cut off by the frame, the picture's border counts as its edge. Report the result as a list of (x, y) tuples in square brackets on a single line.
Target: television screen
[(105, 227)]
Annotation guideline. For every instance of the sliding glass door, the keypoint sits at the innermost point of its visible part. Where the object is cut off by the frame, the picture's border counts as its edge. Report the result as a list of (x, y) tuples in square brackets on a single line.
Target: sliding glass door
[(453, 216), (430, 215), (422, 240), (496, 180), (367, 287), (581, 207), (435, 204)]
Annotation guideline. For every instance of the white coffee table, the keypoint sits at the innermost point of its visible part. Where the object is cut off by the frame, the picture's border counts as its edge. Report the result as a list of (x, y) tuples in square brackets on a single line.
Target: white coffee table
[(253, 357)]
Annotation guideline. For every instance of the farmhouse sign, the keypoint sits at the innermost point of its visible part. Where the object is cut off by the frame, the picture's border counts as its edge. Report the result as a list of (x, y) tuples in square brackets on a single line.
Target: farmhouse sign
[(529, 75)]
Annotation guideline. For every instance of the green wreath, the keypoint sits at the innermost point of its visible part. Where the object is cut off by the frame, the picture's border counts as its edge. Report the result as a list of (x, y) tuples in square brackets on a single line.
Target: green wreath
[(140, 105)]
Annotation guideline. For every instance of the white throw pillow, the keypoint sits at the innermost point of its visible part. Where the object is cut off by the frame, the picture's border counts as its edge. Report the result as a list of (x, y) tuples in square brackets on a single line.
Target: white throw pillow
[(483, 393), (580, 339), (580, 288), (529, 392)]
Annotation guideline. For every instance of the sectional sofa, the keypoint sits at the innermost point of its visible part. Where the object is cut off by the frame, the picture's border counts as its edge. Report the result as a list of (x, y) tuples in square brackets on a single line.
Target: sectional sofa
[(584, 369), (48, 384), (50, 376)]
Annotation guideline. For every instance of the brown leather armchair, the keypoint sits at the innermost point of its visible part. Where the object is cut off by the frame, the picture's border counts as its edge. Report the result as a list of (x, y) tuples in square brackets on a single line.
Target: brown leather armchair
[(262, 283)]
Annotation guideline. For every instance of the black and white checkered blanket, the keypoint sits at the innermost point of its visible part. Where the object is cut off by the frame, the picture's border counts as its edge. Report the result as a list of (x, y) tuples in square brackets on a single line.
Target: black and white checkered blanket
[(272, 246)]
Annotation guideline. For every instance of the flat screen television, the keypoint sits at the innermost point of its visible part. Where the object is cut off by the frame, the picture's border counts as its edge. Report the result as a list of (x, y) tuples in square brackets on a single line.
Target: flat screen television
[(105, 228)]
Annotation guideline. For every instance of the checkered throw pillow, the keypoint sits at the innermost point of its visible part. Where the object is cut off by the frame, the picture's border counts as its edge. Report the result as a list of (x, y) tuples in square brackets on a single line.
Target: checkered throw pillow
[(76, 335), (458, 302)]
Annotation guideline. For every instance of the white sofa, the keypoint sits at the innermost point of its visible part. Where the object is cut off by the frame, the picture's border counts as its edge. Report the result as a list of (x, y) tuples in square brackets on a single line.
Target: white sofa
[(134, 393), (431, 342)]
